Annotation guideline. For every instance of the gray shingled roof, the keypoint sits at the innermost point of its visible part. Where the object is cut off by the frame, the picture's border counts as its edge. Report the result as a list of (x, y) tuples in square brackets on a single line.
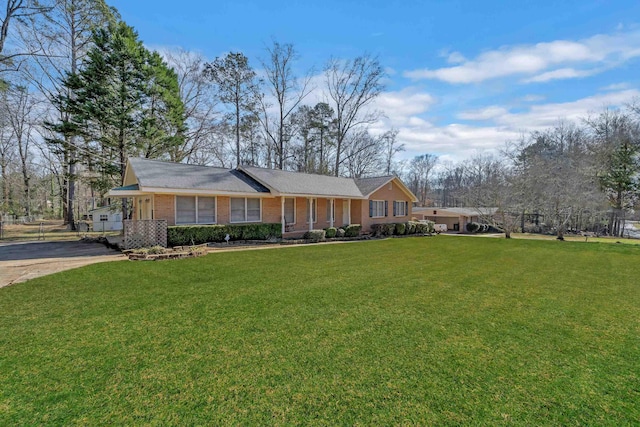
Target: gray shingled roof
[(369, 185), (286, 182), (159, 174)]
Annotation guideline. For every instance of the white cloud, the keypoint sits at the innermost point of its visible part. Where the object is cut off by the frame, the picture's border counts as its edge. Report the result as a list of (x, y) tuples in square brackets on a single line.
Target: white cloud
[(589, 56), (532, 98), (456, 58), (542, 116), (483, 113), (400, 106), (561, 73), (616, 86), (458, 141)]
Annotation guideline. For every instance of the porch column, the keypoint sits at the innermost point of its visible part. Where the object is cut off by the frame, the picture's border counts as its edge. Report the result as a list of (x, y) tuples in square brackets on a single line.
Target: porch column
[(310, 200), (349, 212), (282, 220), (331, 212)]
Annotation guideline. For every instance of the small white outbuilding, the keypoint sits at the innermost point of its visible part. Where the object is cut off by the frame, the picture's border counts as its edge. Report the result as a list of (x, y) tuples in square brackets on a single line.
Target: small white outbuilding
[(106, 218)]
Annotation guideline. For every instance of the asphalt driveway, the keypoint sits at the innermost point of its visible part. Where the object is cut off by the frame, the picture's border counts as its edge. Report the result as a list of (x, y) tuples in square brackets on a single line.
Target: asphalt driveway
[(21, 261)]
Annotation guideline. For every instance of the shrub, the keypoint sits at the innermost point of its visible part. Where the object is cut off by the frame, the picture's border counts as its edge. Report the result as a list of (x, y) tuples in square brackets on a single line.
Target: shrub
[(401, 228), (183, 235), (314, 235), (473, 227), (156, 250), (330, 232), (352, 230), (425, 227), (383, 229), (340, 232), (411, 227)]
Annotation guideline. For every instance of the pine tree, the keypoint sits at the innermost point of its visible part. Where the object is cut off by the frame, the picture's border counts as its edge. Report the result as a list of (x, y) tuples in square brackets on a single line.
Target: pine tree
[(124, 102)]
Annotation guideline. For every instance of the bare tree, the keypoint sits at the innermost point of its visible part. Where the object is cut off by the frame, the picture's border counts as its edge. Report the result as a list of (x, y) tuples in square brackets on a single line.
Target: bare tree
[(287, 92), (18, 10), (363, 154), (420, 175), (352, 85), (21, 120), (391, 148), (7, 147), (63, 35), (200, 101)]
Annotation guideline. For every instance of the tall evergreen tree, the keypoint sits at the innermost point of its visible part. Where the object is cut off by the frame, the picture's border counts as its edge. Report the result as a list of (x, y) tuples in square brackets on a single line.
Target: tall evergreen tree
[(124, 101), (237, 86)]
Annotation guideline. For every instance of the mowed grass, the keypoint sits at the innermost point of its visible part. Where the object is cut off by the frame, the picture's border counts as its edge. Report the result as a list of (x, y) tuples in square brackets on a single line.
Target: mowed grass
[(416, 331)]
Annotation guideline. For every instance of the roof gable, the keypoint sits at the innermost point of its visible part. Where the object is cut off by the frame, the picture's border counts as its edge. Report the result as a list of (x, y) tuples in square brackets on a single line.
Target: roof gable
[(368, 186)]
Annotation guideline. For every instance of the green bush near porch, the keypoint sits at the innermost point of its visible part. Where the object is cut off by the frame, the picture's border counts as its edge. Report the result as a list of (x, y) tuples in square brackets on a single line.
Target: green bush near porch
[(197, 234)]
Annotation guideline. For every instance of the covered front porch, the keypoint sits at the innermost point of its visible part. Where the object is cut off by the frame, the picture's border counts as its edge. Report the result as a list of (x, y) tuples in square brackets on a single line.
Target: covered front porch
[(301, 214)]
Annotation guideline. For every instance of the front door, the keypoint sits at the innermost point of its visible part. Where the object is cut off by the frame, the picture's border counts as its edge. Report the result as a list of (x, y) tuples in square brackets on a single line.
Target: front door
[(345, 213), (145, 207)]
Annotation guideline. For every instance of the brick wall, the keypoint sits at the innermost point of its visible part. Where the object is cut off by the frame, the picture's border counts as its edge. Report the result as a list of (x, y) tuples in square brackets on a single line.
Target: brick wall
[(390, 192), (164, 206)]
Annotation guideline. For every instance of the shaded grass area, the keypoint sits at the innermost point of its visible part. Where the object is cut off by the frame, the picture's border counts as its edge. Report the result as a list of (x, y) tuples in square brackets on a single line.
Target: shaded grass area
[(439, 331), (569, 238)]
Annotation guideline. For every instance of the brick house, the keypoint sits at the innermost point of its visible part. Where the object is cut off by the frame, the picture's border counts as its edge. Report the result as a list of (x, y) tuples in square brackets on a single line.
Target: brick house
[(190, 194)]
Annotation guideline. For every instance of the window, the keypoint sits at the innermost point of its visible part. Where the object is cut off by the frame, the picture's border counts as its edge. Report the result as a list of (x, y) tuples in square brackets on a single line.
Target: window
[(104, 217), (377, 208), (331, 213), (290, 210), (245, 210), (400, 208), (185, 210), (195, 210), (314, 211), (206, 210)]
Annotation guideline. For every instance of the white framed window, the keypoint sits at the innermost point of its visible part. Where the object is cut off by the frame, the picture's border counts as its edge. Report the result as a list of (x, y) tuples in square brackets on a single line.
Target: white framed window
[(400, 208), (195, 210), (331, 211), (377, 208), (244, 209), (314, 211), (290, 210)]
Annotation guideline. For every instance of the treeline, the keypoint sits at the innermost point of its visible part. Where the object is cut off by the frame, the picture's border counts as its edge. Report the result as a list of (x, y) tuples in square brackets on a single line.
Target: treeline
[(80, 93), (577, 176)]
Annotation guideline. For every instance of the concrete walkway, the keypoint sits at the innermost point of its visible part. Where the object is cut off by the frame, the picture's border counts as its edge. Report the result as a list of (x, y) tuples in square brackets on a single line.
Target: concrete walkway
[(21, 261)]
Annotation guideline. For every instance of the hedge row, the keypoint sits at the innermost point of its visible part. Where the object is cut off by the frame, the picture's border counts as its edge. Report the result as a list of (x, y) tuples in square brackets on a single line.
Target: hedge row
[(474, 227), (403, 228), (181, 235)]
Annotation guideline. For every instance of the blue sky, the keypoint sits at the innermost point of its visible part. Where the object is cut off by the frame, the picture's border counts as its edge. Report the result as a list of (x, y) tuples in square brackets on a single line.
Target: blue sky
[(464, 76)]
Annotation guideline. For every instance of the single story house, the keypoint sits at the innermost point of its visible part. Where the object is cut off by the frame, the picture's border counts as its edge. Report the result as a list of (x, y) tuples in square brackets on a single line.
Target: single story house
[(106, 219), (189, 194), (456, 219)]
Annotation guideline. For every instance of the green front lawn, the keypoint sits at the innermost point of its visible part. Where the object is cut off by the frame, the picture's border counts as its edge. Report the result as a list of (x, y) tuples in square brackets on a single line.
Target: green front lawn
[(427, 331)]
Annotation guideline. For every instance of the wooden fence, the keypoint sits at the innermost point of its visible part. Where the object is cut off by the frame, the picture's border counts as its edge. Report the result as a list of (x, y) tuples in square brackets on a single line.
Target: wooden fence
[(145, 233)]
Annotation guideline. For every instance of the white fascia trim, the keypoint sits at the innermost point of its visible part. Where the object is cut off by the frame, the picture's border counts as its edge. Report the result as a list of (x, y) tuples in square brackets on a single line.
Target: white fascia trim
[(322, 196), (126, 193), (197, 192)]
